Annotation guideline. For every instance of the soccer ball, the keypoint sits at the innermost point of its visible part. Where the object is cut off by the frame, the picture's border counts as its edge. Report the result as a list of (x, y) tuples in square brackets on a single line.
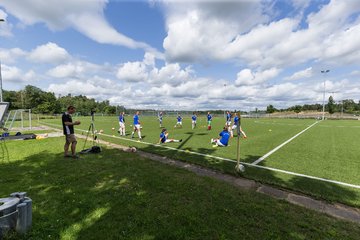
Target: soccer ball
[(133, 149), (240, 168), (113, 129)]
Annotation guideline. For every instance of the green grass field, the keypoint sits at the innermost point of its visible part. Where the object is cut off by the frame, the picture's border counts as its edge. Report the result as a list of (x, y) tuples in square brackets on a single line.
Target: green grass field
[(118, 195), (328, 150)]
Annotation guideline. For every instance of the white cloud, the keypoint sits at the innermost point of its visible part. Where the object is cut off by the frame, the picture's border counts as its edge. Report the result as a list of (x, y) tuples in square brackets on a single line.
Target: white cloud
[(89, 88), (133, 72), (200, 30), (86, 17), (14, 74), (11, 55), (74, 69), (306, 73), (247, 77), (49, 53)]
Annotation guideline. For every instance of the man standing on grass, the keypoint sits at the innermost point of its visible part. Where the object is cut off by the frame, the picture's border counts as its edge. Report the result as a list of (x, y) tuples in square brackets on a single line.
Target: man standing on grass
[(137, 126), (234, 126), (193, 120), (228, 118), (179, 121), (68, 127), (209, 119), (122, 124), (160, 117)]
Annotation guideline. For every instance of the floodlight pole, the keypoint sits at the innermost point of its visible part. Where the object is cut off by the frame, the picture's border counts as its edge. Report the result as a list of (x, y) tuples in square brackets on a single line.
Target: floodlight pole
[(323, 110), (1, 91)]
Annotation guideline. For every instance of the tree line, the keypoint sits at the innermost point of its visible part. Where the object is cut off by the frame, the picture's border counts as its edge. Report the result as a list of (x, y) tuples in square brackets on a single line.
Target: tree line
[(344, 106), (40, 101)]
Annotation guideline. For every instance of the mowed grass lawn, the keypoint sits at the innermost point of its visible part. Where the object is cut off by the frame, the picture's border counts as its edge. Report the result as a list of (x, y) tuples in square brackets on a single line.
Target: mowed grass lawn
[(327, 150), (118, 195)]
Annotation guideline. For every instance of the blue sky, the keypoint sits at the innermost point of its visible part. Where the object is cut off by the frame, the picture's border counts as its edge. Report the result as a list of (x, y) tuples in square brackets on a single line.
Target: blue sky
[(184, 54)]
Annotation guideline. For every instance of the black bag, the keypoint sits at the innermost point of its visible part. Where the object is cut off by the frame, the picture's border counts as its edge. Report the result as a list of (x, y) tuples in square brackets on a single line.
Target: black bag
[(93, 149)]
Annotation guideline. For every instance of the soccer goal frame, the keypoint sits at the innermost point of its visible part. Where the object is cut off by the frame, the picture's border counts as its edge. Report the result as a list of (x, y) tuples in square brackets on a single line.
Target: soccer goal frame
[(19, 115)]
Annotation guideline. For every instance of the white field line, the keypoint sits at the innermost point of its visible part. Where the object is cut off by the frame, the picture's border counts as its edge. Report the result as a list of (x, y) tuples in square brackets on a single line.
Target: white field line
[(227, 159), (281, 145)]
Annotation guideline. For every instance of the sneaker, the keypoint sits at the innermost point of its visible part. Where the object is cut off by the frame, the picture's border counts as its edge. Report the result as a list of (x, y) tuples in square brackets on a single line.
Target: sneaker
[(75, 156), (180, 140), (67, 156), (132, 136), (212, 140)]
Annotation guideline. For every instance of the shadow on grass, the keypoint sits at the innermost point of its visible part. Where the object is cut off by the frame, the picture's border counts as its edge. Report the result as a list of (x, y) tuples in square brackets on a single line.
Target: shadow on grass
[(330, 192)]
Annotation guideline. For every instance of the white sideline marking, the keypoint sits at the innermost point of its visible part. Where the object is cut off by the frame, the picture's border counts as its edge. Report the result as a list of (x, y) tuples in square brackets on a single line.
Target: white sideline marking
[(231, 160), (281, 145)]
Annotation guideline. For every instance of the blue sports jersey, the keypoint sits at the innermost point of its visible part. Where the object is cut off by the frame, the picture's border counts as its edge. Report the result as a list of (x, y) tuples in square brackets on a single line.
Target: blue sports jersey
[(179, 119), (209, 117), (121, 118), (228, 117), (236, 119), (193, 117), (225, 136), (163, 137), (136, 119)]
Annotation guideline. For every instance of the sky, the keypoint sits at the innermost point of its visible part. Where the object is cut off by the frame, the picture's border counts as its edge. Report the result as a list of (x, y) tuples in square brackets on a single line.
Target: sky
[(184, 55)]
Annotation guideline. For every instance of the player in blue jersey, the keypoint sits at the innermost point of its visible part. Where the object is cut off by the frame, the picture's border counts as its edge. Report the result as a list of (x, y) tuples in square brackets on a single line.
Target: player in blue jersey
[(164, 137), (179, 121), (234, 126), (160, 117), (223, 141), (122, 124), (228, 118), (137, 126), (193, 120), (209, 119)]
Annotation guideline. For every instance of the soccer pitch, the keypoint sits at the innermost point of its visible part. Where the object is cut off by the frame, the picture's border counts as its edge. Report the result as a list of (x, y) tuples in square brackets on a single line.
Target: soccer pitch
[(320, 158)]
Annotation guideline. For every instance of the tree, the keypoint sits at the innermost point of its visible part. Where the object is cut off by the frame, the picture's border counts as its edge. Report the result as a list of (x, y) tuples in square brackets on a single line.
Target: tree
[(331, 105), (270, 109), (297, 108)]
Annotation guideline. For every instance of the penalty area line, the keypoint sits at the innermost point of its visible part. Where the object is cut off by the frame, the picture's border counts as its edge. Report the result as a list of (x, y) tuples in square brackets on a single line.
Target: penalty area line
[(230, 160), (281, 145)]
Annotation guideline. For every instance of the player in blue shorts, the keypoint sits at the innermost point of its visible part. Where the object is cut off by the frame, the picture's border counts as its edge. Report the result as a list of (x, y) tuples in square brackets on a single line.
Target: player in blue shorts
[(164, 137), (179, 121), (137, 126), (223, 140), (193, 120)]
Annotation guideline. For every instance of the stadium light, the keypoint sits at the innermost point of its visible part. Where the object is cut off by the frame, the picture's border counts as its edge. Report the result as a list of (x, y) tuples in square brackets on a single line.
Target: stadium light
[(323, 111), (1, 91)]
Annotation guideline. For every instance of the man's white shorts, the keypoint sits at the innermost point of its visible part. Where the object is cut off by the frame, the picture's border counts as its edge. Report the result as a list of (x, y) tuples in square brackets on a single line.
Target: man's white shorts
[(122, 125), (137, 126)]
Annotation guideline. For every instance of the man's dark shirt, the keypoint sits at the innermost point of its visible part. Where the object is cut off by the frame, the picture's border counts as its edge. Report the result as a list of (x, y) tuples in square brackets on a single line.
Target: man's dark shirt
[(66, 117)]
